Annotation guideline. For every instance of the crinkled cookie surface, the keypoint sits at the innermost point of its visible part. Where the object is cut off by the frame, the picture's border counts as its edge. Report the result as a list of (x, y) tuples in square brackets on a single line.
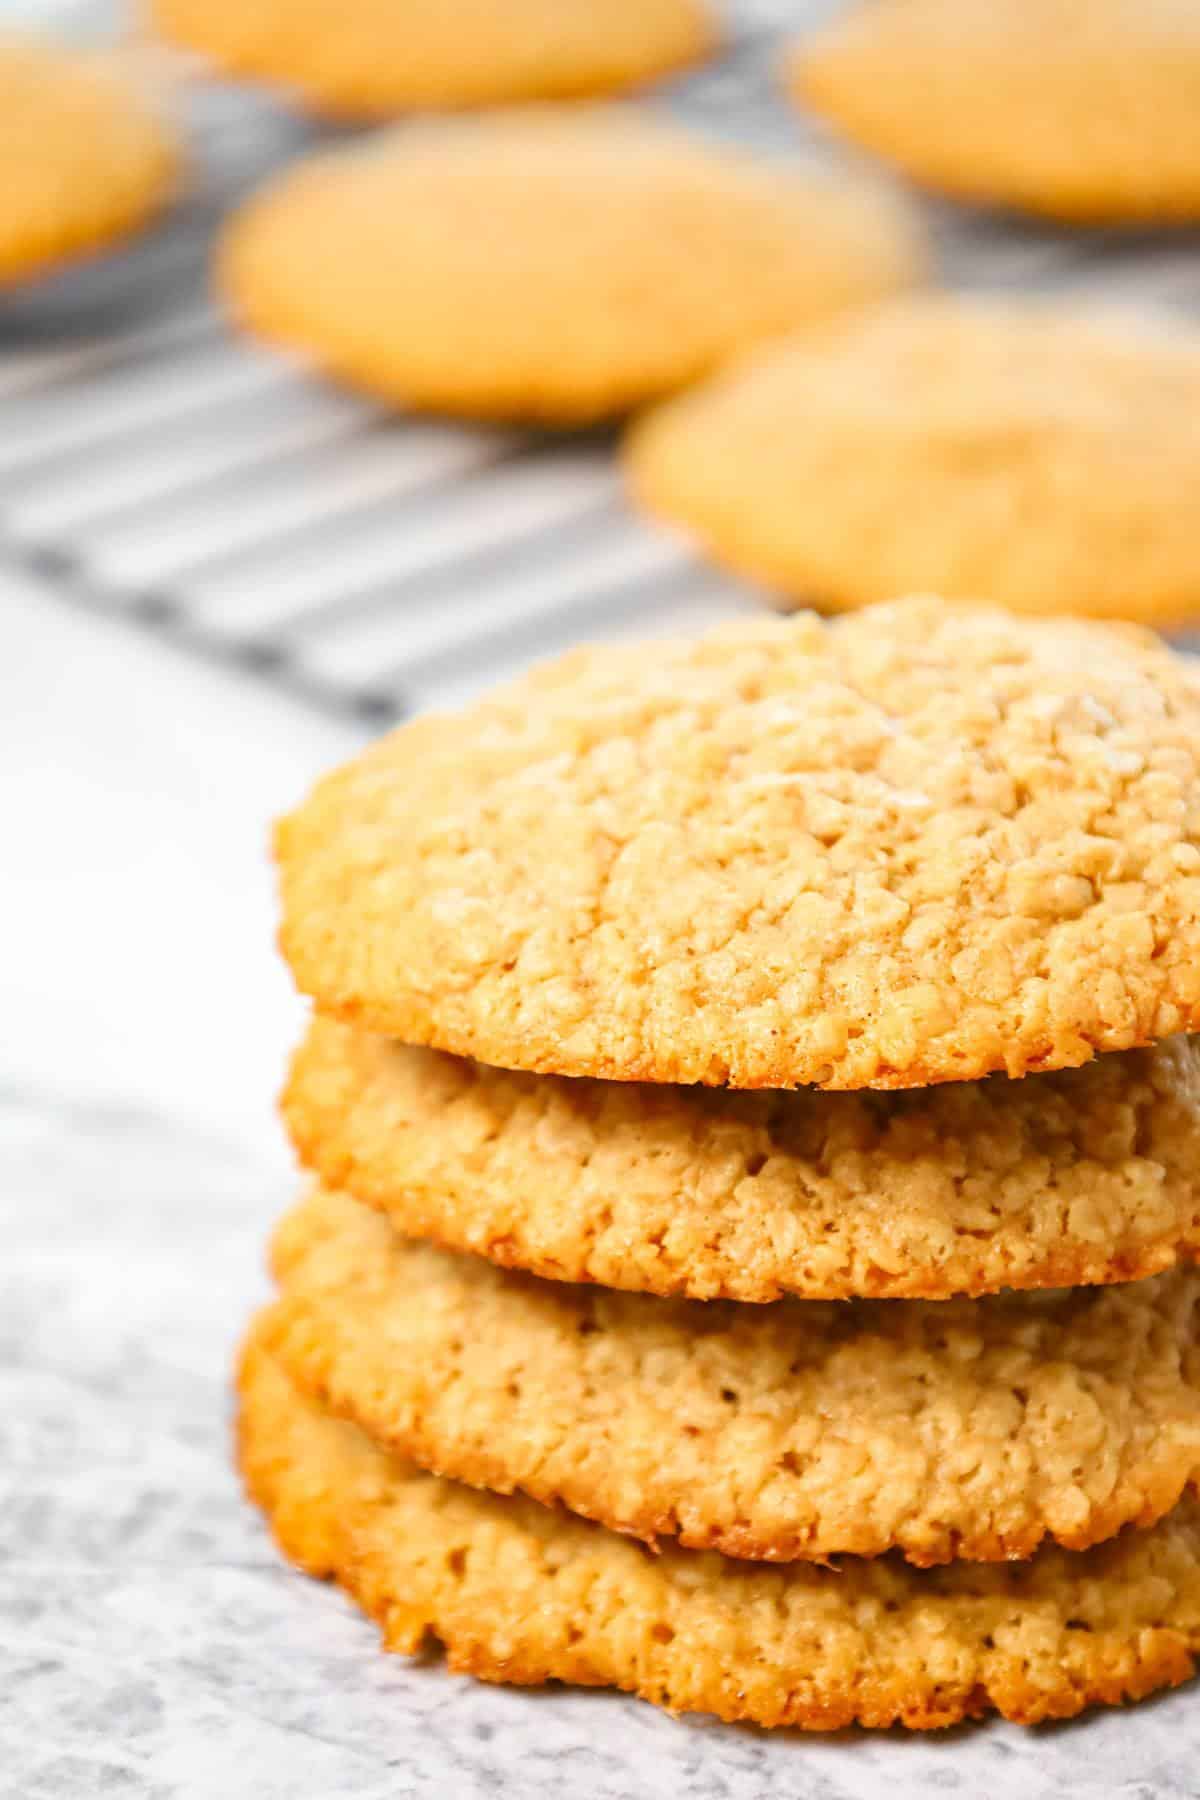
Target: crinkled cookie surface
[(1084, 1175), (970, 1428), (522, 1594), (917, 844)]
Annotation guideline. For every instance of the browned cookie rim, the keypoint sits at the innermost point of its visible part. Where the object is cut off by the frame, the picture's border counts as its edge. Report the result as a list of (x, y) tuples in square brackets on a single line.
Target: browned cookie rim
[(541, 1173), (969, 1430), (918, 844), (326, 1494)]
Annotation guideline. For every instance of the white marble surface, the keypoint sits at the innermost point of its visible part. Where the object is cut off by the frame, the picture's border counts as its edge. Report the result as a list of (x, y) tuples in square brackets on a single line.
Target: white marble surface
[(152, 1647)]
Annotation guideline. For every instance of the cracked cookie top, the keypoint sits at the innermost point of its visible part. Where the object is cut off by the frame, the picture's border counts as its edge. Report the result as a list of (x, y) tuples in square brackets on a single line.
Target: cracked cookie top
[(916, 844)]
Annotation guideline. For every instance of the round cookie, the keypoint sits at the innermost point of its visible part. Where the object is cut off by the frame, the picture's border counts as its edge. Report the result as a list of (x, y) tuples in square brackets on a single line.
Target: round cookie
[(912, 845), (521, 1594), (85, 160), (556, 264), (1082, 110), (1046, 459), (1086, 1175), (371, 58), (943, 1429)]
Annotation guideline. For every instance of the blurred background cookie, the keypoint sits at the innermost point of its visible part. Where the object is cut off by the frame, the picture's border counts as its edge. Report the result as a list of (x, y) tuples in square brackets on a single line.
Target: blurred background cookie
[(741, 859), (369, 58), (551, 264), (1077, 109), (85, 159), (1047, 457)]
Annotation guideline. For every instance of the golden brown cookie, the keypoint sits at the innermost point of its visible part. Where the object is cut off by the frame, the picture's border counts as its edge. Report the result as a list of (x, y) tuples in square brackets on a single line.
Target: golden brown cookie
[(1086, 1175), (85, 159), (1082, 1176), (968, 1428), (913, 845), (553, 264), (521, 1594), (1046, 458), (1078, 109), (371, 58)]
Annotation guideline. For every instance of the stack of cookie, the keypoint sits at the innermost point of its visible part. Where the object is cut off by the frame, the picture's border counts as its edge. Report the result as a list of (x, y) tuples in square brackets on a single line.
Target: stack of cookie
[(671, 1314)]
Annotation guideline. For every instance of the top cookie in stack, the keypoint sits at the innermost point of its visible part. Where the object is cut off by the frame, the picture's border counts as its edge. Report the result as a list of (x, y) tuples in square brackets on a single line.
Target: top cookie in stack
[(913, 852), (909, 847)]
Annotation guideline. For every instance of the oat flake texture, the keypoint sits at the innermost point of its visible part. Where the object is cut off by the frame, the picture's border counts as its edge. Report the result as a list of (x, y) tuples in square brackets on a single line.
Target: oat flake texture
[(969, 1428), (1086, 1175), (917, 844), (523, 1594)]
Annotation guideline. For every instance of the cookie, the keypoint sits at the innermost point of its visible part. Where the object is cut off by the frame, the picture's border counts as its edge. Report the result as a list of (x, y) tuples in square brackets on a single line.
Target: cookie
[(521, 1594), (1086, 1175), (1037, 456), (85, 160), (1082, 110), (968, 1428), (370, 58), (558, 265), (914, 845)]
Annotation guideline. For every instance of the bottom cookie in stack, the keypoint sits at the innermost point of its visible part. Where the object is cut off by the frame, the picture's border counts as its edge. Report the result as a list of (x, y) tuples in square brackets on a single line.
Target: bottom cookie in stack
[(863, 1432), (856, 879), (521, 1593)]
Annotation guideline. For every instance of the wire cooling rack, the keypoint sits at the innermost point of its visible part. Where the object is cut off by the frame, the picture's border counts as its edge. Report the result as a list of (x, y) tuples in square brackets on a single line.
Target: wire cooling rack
[(154, 466)]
